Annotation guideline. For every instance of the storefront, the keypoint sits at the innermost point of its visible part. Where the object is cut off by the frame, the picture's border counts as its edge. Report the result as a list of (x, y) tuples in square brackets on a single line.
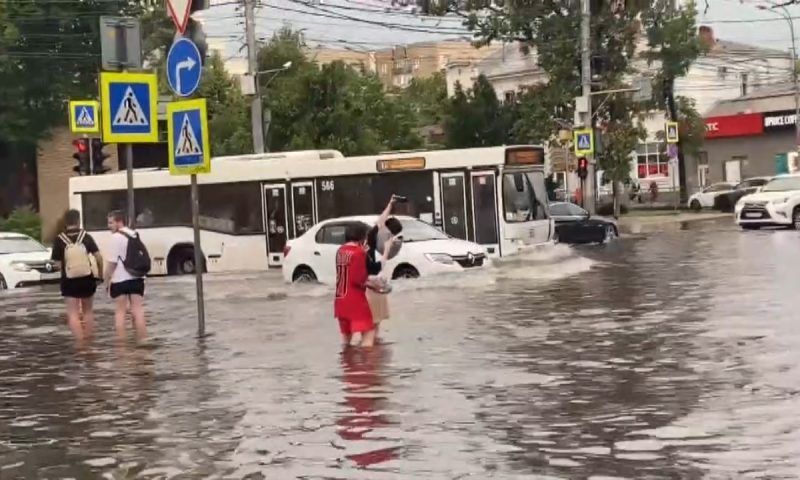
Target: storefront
[(744, 145)]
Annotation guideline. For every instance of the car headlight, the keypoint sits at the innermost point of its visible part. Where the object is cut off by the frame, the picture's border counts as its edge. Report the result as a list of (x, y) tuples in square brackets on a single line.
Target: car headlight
[(439, 258), (777, 201), (21, 266)]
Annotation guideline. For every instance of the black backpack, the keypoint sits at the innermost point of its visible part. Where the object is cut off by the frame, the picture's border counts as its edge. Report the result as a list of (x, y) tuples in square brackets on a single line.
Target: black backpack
[(137, 260)]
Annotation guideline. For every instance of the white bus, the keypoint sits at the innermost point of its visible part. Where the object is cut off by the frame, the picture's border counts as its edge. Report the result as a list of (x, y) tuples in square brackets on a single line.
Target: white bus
[(251, 205)]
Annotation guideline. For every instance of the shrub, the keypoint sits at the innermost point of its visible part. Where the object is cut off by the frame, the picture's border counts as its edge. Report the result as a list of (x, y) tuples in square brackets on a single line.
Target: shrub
[(23, 220), (607, 209)]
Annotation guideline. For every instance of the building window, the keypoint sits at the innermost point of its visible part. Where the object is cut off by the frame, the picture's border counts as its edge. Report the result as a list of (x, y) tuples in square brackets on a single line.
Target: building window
[(722, 72), (743, 90), (651, 160), (510, 96)]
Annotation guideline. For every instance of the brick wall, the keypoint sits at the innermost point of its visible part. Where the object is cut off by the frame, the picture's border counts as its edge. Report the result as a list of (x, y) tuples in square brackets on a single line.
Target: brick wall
[(54, 167)]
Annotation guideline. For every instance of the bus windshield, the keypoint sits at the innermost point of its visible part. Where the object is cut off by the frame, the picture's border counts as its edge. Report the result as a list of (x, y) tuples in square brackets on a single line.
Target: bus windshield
[(524, 196)]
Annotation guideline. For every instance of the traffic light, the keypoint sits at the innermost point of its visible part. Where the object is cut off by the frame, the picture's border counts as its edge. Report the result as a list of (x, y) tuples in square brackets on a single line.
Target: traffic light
[(98, 157), (583, 168), (81, 155)]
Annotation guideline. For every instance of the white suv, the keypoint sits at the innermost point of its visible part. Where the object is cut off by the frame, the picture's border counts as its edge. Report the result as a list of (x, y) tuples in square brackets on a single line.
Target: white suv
[(426, 251), (776, 204), (24, 262)]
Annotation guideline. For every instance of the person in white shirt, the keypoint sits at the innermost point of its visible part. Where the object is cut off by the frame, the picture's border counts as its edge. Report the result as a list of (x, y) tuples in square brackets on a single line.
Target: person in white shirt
[(126, 289)]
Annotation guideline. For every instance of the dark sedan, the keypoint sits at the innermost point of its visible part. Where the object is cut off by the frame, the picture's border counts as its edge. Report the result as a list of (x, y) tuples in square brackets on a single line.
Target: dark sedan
[(726, 202), (575, 225)]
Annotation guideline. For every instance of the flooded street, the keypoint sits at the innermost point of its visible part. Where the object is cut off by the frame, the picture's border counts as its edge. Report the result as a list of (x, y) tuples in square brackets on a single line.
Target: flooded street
[(664, 355)]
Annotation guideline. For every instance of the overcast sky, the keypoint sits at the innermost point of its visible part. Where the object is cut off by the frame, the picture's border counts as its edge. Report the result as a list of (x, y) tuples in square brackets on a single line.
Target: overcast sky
[(361, 25)]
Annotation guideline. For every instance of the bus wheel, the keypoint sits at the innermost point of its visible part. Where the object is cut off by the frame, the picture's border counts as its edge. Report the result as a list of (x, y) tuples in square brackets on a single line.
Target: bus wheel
[(181, 261), (3, 284), (405, 271), (303, 274)]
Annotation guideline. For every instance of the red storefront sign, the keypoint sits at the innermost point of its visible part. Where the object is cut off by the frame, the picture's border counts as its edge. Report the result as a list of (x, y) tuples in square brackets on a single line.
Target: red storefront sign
[(742, 125)]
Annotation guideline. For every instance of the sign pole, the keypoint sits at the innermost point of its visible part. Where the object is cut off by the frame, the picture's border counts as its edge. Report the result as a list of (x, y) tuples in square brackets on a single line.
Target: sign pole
[(198, 258), (129, 170)]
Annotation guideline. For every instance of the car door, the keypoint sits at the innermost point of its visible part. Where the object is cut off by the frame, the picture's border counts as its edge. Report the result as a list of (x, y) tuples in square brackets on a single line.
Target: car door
[(326, 243)]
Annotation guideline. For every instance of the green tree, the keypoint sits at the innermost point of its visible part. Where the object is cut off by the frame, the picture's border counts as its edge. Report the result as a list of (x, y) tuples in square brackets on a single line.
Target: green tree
[(228, 110), (427, 98), (332, 106), (476, 118)]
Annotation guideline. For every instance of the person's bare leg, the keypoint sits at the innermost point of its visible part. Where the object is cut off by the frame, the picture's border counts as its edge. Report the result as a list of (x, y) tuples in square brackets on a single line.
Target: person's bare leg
[(368, 338), (74, 318), (87, 305), (137, 312), (121, 309), (346, 339)]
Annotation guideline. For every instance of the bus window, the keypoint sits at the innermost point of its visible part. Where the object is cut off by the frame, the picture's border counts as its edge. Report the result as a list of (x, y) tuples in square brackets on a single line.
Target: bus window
[(524, 196), (231, 208), (155, 207)]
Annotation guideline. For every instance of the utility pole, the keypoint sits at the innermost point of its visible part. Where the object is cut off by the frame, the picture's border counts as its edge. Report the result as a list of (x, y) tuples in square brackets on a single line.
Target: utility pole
[(256, 107), (586, 82)]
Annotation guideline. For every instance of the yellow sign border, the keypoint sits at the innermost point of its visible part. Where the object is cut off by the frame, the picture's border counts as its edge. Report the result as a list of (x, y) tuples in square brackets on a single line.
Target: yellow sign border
[(677, 132), (73, 121), (183, 106), (106, 79), (583, 131)]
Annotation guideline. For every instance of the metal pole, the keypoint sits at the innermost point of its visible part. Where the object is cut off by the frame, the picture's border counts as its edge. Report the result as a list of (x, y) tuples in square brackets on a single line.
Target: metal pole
[(129, 169), (198, 259), (566, 174), (586, 82), (256, 113), (91, 157), (795, 80)]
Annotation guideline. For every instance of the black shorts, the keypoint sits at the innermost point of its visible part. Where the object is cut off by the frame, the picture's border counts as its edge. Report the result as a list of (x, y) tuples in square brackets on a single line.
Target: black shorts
[(84, 287), (128, 287)]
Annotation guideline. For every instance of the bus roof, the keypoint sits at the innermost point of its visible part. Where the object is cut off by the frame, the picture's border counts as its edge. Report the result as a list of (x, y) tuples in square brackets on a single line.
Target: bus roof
[(288, 165)]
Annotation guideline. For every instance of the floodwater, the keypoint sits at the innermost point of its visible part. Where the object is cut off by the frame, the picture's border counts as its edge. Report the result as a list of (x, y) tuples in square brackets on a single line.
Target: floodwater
[(667, 355)]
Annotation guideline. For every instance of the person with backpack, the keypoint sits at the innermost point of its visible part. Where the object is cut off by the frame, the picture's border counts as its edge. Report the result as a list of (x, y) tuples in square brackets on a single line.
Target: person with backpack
[(78, 257), (126, 267)]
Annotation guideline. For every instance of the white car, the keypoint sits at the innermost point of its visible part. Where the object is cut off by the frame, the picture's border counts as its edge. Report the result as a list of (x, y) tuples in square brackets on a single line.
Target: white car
[(24, 262), (426, 251), (776, 204), (705, 198)]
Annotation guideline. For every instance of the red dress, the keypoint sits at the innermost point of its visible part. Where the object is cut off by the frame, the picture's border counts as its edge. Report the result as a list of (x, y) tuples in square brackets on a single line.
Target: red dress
[(351, 306)]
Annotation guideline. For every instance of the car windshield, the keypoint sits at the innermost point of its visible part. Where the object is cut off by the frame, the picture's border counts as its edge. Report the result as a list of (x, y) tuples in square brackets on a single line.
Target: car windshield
[(20, 245), (782, 184), (417, 231)]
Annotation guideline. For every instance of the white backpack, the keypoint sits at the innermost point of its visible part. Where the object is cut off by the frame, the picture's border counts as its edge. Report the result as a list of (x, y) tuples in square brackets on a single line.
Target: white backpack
[(77, 261)]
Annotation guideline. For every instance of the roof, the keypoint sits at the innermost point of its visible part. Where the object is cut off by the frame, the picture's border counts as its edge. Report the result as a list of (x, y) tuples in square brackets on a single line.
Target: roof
[(768, 98), (727, 47)]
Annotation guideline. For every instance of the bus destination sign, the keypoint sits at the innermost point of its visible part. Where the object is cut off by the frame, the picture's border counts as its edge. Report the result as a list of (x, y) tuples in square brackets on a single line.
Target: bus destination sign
[(401, 164), (525, 156)]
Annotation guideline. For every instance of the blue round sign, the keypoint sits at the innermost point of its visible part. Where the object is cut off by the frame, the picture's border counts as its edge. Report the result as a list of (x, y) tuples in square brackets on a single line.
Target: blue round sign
[(184, 67)]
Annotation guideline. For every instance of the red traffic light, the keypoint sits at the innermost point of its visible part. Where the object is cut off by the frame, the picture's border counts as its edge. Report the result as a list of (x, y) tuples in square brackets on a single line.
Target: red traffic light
[(82, 144)]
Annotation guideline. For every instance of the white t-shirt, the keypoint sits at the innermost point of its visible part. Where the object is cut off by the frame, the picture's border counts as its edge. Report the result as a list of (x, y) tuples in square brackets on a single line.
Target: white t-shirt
[(119, 250)]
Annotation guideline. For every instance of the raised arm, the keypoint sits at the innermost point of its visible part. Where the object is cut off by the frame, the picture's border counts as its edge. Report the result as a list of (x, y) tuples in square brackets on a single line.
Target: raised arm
[(386, 212)]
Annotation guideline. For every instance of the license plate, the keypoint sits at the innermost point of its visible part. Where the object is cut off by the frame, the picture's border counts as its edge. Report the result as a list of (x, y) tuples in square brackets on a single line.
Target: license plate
[(752, 215)]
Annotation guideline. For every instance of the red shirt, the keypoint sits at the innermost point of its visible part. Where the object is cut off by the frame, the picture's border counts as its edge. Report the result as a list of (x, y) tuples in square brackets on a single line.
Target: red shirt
[(351, 277)]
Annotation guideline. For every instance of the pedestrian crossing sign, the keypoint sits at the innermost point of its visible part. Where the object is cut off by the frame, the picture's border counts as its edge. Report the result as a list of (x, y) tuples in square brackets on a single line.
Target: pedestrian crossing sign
[(129, 107), (187, 127), (83, 116), (672, 132), (583, 140)]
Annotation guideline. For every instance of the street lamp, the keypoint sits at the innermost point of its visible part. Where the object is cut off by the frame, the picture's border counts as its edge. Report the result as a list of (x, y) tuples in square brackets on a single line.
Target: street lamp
[(267, 118), (783, 12)]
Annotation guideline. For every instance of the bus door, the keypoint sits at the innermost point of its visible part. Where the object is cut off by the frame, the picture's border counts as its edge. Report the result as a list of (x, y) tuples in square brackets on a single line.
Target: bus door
[(275, 208), (484, 211), (303, 207), (454, 204)]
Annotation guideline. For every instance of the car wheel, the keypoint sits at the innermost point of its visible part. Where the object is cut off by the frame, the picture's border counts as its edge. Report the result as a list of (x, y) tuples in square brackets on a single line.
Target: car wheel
[(303, 274), (3, 284), (695, 205), (405, 271), (796, 218)]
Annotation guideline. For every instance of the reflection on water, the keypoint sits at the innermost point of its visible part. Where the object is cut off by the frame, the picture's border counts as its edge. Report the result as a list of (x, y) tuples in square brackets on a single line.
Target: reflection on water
[(665, 355)]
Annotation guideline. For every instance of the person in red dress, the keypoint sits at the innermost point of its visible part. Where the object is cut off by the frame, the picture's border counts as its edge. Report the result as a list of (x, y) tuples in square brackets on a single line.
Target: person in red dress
[(351, 307)]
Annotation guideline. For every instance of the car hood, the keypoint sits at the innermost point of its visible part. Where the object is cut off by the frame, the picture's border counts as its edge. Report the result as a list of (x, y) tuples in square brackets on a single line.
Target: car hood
[(767, 196), (450, 246), (34, 257)]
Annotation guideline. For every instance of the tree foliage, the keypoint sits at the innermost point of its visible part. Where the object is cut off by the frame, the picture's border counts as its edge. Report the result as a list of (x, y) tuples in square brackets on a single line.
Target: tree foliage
[(332, 106), (427, 98), (476, 118)]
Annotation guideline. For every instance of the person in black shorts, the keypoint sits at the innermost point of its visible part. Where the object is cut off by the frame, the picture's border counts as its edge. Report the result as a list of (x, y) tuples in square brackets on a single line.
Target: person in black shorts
[(126, 289), (76, 251)]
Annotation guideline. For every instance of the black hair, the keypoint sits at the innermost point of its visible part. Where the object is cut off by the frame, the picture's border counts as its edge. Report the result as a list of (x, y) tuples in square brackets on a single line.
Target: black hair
[(394, 225), (118, 216), (72, 218), (356, 232)]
